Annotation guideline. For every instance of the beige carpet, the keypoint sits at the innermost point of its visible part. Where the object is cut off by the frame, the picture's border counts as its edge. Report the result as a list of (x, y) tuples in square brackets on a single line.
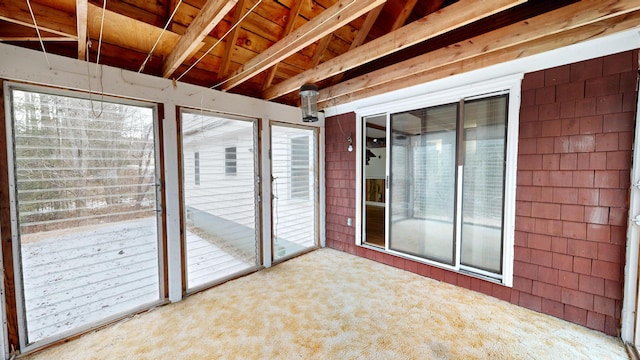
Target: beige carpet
[(331, 305)]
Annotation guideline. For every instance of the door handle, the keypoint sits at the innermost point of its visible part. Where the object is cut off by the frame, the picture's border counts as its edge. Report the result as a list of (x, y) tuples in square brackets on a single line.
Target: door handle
[(635, 220)]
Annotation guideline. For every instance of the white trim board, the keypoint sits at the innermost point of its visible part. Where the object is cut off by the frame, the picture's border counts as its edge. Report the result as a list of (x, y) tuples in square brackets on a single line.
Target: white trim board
[(510, 84), (630, 328), (619, 42), (25, 65)]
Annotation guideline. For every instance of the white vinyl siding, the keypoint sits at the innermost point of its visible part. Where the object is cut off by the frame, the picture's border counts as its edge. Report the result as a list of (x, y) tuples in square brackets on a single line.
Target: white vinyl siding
[(294, 189), (300, 163), (221, 212)]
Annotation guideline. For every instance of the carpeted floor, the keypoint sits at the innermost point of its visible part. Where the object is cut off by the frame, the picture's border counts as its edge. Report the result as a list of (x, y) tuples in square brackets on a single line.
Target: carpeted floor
[(332, 305)]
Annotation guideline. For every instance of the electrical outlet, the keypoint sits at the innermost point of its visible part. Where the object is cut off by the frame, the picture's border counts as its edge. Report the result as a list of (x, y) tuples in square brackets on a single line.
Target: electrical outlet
[(349, 222)]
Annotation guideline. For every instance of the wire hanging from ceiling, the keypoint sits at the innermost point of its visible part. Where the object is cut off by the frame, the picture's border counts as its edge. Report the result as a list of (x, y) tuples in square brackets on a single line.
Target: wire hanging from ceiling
[(220, 40), (104, 7), (33, 17), (158, 40), (96, 115)]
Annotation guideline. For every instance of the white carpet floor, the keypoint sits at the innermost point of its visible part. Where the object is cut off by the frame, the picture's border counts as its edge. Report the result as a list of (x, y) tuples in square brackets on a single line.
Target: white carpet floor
[(331, 305)]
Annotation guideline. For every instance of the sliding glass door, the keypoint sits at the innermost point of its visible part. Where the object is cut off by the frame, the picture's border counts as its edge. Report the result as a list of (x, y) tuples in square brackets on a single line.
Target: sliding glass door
[(483, 184), (441, 187), (220, 190), (423, 182), (85, 211)]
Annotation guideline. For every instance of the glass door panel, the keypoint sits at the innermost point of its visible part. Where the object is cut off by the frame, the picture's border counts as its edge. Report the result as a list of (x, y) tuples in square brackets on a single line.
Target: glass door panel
[(219, 170), (294, 189), (483, 183), (423, 182), (86, 211), (375, 172)]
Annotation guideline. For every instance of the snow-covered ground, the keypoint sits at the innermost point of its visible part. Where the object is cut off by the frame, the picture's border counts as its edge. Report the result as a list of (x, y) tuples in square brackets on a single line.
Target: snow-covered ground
[(74, 278)]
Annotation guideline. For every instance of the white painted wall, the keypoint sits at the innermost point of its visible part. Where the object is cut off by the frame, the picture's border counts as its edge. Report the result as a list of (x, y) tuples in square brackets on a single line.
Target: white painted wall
[(215, 193), (377, 166)]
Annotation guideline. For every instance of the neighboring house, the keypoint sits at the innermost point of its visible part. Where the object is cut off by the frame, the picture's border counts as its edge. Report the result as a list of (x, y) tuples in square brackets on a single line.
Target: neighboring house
[(221, 182)]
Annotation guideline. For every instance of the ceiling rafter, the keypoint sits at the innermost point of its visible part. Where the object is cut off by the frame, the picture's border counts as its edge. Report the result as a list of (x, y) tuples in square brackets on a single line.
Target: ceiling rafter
[(294, 12), (172, 5), (587, 32), (230, 43), (405, 12), (323, 44), (362, 34), (542, 33), (432, 6), (336, 16), (82, 9), (140, 36), (8, 38), (209, 16), (452, 17), (50, 20), (14, 32)]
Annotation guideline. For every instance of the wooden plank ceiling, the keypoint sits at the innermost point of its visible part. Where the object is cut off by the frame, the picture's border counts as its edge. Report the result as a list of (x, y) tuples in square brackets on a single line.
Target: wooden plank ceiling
[(268, 48)]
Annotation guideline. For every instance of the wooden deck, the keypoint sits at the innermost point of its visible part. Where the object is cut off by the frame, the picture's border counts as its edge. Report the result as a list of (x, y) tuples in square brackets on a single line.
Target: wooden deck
[(77, 277), (294, 226)]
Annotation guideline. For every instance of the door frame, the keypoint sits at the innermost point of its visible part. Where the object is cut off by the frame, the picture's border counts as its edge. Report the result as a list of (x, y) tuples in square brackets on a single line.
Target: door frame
[(14, 310), (630, 331), (268, 194)]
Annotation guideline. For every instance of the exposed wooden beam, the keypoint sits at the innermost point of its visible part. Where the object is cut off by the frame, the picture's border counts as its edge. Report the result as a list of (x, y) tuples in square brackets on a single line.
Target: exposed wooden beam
[(432, 6), (4, 38), (81, 24), (336, 16), (49, 19), (230, 42), (452, 17), (404, 14), (362, 34), (586, 20), (209, 16), (294, 12), (320, 49), (14, 32), (139, 36)]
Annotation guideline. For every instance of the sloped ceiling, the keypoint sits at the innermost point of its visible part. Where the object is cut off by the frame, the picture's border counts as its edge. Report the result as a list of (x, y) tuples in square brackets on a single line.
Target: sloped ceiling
[(268, 48)]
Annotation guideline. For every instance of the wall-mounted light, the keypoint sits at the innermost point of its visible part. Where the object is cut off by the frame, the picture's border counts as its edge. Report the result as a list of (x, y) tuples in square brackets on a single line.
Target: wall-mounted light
[(309, 102), (350, 147)]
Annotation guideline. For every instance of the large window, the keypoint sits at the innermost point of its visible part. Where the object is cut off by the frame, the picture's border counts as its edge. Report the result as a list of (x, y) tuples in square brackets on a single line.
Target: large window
[(441, 190), (85, 211)]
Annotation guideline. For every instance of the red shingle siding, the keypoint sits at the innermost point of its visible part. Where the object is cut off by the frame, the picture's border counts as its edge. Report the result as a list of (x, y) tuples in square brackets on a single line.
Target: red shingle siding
[(574, 159), (589, 253), (340, 171)]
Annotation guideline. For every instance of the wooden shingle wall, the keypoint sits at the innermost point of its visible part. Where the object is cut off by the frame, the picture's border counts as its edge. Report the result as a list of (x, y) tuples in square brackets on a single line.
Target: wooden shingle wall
[(577, 125)]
